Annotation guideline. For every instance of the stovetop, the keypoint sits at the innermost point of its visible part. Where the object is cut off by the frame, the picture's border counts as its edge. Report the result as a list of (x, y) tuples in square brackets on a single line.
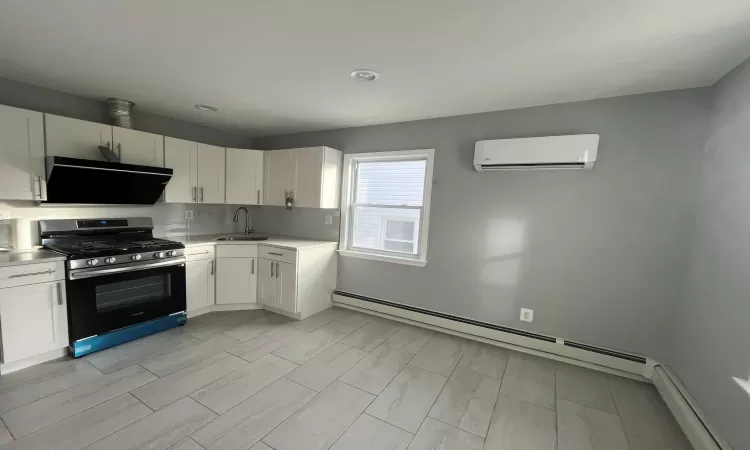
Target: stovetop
[(111, 247)]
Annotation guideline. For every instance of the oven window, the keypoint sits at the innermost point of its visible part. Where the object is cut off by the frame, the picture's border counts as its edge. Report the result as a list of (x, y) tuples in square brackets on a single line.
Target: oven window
[(128, 293)]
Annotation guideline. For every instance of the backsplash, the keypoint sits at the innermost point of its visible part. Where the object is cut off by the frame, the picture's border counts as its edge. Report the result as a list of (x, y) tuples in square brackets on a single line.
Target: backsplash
[(169, 219), (301, 222)]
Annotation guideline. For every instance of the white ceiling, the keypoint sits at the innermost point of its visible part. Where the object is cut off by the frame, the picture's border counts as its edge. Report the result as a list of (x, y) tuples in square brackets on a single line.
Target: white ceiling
[(278, 66)]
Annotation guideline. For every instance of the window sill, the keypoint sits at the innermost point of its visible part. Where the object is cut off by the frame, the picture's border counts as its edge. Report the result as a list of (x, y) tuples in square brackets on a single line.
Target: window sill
[(383, 258)]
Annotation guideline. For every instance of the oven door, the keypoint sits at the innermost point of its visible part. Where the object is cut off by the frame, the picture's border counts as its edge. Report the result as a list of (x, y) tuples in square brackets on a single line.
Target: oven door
[(104, 299)]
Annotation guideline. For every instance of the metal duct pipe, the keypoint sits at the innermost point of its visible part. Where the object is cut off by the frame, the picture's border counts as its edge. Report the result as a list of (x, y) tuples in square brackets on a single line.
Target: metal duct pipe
[(120, 112)]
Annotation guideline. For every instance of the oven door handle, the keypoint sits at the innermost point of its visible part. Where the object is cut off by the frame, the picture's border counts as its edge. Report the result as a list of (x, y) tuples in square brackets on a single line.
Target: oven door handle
[(131, 268)]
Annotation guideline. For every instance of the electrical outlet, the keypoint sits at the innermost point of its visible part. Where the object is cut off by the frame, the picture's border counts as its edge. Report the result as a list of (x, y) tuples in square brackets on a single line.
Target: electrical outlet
[(527, 315), (188, 214), (329, 219)]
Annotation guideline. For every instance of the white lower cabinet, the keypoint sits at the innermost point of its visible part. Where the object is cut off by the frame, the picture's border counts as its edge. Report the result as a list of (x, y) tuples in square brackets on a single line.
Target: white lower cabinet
[(267, 282), (294, 282), (33, 320), (236, 274), (200, 283), (286, 294), (278, 285), (237, 280), (279, 281)]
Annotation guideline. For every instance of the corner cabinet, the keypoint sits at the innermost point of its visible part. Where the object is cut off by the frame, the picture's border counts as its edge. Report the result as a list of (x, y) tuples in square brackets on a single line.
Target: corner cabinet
[(244, 185), (236, 274), (298, 282), (22, 175), (33, 311), (311, 176), (198, 172)]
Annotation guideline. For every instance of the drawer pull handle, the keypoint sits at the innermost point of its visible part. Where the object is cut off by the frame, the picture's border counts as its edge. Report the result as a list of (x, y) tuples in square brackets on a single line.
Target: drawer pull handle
[(31, 274), (275, 254), (59, 293)]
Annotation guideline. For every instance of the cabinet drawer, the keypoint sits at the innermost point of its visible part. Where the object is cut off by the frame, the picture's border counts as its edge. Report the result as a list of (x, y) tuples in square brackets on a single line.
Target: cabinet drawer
[(31, 274), (237, 251), (202, 252), (278, 254)]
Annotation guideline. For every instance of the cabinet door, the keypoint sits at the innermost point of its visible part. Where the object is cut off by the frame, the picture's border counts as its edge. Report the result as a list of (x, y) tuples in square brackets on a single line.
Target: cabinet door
[(76, 138), (33, 320), (22, 174), (308, 170), (137, 147), (211, 173), (267, 282), (236, 281), (200, 286), (278, 176), (182, 157), (244, 185), (286, 294)]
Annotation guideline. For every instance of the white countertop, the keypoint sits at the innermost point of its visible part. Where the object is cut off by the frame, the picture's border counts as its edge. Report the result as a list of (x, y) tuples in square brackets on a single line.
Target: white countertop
[(29, 257), (290, 242)]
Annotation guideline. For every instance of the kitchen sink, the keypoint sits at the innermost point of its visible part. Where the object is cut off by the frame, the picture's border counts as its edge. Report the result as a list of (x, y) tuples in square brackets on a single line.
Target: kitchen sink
[(243, 238)]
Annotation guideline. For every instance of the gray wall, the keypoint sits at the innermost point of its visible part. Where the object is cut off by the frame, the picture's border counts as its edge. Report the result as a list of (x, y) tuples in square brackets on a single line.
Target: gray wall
[(27, 96), (301, 222), (712, 327), (599, 255)]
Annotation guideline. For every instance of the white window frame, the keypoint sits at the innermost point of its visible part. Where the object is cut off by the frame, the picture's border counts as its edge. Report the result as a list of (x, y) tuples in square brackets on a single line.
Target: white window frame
[(347, 192)]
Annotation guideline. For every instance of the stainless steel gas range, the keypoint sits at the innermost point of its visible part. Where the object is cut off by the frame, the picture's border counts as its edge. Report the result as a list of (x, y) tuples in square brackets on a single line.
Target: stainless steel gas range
[(121, 282)]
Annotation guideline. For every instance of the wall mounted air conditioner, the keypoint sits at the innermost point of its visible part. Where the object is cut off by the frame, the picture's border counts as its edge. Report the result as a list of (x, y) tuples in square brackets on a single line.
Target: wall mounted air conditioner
[(554, 152)]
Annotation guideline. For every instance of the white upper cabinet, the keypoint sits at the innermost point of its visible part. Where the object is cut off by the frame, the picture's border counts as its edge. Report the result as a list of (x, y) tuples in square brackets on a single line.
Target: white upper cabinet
[(138, 147), (75, 138), (279, 166), (22, 174), (244, 175), (306, 182), (312, 176), (182, 157), (198, 172), (211, 173)]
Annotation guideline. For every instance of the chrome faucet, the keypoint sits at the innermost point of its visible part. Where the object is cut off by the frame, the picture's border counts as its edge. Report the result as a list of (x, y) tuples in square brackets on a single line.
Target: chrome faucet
[(248, 229)]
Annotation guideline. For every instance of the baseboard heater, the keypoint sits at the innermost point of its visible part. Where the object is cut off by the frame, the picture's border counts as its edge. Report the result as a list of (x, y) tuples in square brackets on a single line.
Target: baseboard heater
[(587, 355), (684, 408)]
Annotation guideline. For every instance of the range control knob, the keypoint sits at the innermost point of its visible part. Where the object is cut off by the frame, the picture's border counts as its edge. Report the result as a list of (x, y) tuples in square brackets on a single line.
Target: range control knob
[(136, 257), (92, 262), (171, 253), (159, 255), (109, 260)]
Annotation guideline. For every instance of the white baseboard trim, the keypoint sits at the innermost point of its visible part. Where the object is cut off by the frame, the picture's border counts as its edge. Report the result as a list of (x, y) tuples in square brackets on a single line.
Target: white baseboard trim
[(556, 349), (233, 307), (33, 360), (686, 411)]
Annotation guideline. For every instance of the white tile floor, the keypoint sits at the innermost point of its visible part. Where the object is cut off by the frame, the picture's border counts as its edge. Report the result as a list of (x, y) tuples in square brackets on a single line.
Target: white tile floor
[(340, 380)]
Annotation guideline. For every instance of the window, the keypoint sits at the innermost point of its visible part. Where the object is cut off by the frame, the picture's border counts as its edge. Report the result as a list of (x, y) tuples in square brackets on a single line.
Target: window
[(386, 204)]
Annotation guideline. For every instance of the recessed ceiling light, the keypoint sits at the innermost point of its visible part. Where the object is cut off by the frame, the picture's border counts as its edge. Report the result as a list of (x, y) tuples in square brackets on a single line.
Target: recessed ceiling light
[(200, 107), (364, 75)]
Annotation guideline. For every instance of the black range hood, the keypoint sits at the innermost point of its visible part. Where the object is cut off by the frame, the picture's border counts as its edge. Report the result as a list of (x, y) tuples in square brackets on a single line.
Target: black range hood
[(73, 180)]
